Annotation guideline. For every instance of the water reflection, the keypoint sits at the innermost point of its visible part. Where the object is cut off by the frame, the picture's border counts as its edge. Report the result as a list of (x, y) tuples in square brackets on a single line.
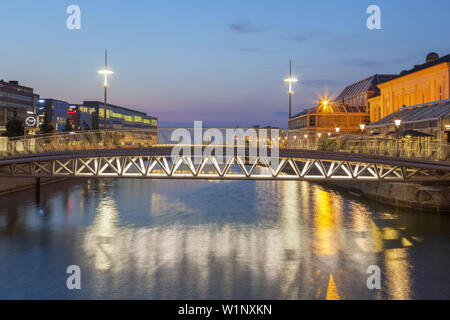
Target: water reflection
[(230, 240)]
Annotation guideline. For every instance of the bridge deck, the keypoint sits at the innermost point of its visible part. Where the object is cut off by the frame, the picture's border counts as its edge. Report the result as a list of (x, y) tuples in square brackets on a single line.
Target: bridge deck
[(283, 153), (157, 163)]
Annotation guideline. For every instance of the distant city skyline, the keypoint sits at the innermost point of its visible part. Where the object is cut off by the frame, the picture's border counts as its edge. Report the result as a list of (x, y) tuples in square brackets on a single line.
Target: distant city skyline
[(222, 63)]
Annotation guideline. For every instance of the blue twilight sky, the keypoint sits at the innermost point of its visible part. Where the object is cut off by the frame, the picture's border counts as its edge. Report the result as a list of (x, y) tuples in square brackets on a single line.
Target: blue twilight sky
[(222, 62)]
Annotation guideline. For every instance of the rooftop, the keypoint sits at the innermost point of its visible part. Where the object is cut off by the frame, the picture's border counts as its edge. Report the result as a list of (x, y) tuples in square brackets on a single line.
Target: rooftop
[(368, 84), (433, 61), (119, 107), (429, 111), (15, 84), (335, 107)]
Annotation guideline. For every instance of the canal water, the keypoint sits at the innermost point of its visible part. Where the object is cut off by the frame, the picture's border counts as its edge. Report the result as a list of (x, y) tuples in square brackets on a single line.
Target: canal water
[(143, 239)]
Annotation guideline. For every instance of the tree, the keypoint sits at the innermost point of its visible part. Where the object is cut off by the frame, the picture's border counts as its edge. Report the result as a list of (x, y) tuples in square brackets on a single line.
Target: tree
[(85, 126), (67, 127), (46, 126), (14, 127)]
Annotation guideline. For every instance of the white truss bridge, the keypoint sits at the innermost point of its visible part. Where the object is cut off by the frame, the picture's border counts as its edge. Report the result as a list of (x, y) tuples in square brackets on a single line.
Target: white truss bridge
[(156, 163)]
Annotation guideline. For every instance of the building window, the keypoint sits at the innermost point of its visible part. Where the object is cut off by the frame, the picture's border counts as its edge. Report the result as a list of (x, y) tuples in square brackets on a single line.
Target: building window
[(441, 93)]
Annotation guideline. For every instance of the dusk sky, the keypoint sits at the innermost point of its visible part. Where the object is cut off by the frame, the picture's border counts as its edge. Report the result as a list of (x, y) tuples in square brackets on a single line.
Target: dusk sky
[(222, 62)]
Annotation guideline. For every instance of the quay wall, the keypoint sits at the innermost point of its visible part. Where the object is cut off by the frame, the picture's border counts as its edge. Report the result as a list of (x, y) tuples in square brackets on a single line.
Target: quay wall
[(430, 197), (10, 185)]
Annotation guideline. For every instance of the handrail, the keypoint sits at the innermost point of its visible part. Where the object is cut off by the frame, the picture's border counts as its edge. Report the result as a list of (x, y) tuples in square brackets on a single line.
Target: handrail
[(427, 149)]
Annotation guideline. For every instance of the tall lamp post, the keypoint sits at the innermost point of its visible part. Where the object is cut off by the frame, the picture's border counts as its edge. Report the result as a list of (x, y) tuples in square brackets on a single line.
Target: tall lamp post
[(290, 81), (106, 73)]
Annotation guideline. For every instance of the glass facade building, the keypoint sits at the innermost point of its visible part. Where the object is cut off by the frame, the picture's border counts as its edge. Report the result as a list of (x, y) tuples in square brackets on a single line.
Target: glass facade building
[(80, 117), (14, 97), (119, 118), (55, 110)]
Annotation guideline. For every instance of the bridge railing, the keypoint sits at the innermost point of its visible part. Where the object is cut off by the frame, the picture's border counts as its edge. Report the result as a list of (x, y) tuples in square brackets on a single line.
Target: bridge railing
[(108, 139), (84, 140), (427, 149)]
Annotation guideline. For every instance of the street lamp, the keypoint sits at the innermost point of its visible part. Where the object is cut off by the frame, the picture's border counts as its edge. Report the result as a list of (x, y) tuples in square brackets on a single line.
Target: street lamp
[(290, 81), (362, 126), (319, 135), (398, 123), (338, 129), (106, 73)]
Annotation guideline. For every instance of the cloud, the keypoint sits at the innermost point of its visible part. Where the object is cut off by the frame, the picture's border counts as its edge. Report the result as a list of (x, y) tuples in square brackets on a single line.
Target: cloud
[(320, 83), (244, 27), (242, 49), (362, 63), (302, 36), (281, 114)]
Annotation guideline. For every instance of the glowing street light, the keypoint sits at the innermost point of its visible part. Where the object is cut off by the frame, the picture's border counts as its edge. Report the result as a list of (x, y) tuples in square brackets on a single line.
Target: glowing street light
[(319, 135), (398, 123), (338, 129), (362, 126), (106, 73), (290, 81)]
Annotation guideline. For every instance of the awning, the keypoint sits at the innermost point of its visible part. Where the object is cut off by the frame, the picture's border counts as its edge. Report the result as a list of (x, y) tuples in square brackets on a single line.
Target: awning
[(389, 134), (415, 134)]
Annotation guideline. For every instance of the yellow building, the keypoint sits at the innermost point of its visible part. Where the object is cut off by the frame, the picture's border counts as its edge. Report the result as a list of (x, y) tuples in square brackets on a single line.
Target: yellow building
[(424, 83)]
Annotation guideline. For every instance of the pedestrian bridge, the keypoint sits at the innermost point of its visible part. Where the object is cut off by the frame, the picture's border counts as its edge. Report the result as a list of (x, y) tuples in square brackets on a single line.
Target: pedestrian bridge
[(70, 156), (157, 163)]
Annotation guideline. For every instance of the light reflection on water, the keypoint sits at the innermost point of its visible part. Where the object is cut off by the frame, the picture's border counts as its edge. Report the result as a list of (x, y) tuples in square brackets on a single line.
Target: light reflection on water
[(226, 240)]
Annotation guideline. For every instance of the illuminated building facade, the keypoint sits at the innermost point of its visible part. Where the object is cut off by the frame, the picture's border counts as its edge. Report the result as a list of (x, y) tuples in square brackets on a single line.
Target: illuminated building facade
[(119, 118), (425, 83), (14, 97), (326, 118), (348, 111), (431, 119), (55, 110), (80, 117), (358, 94)]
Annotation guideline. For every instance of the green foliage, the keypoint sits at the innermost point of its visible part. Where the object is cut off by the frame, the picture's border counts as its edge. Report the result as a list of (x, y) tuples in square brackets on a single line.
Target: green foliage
[(85, 126), (14, 127), (67, 127), (46, 126)]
